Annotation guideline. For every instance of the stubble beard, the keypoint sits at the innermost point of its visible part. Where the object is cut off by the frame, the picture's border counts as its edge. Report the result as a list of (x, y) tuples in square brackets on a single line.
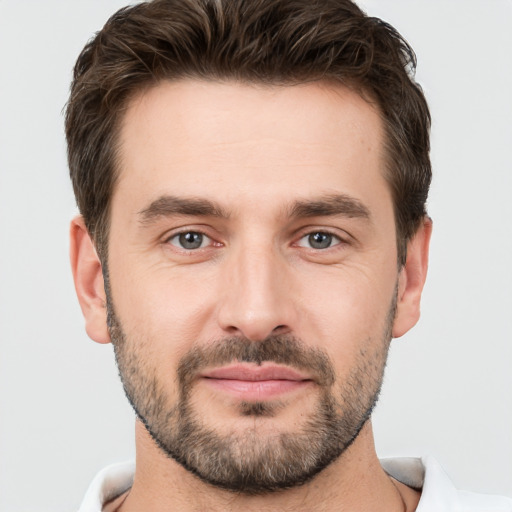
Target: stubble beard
[(251, 462)]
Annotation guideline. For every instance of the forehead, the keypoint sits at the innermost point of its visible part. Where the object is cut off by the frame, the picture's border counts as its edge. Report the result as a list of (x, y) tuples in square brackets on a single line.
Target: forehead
[(231, 140)]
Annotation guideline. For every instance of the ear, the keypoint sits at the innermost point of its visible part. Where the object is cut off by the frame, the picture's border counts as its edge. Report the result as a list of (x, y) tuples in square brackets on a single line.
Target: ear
[(411, 280), (88, 277)]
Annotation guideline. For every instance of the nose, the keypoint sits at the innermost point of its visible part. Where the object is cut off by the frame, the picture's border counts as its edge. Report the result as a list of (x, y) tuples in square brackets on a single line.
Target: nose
[(257, 298)]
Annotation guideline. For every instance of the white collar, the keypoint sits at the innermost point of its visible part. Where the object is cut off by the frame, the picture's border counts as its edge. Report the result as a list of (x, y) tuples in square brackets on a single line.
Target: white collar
[(437, 491)]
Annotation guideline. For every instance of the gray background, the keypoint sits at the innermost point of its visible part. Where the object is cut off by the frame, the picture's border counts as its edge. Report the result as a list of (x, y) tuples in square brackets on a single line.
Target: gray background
[(447, 390)]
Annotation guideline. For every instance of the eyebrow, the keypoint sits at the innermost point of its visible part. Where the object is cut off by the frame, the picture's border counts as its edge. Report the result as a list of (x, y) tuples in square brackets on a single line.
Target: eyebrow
[(166, 206), (330, 205)]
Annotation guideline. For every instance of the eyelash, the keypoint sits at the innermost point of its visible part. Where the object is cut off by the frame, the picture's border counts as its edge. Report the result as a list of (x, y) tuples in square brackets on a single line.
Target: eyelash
[(204, 236), (334, 240)]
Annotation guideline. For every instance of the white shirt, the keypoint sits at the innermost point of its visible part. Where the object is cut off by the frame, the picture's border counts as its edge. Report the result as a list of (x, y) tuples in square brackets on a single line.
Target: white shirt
[(437, 492)]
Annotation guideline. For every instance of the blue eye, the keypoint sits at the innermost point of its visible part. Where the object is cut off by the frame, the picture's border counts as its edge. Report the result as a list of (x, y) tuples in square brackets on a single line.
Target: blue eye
[(319, 240), (190, 240)]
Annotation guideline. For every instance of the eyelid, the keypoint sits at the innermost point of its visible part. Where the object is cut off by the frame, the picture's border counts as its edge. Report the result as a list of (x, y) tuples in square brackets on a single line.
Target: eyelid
[(206, 240), (169, 235), (337, 240), (338, 233)]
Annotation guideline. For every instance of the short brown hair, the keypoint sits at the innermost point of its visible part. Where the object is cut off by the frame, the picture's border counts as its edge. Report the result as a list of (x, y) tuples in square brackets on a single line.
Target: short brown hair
[(276, 42)]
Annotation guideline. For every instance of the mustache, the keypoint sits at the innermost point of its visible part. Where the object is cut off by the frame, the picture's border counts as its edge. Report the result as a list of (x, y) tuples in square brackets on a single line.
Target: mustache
[(281, 349)]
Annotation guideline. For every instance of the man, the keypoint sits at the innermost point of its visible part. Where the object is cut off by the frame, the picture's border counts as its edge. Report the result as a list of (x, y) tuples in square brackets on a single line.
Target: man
[(252, 179)]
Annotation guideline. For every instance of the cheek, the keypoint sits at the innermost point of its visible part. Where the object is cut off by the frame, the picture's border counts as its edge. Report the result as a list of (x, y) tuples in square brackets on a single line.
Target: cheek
[(169, 310), (347, 309)]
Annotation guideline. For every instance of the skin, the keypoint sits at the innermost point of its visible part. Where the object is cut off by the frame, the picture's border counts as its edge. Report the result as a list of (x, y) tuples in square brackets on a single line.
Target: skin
[(254, 151)]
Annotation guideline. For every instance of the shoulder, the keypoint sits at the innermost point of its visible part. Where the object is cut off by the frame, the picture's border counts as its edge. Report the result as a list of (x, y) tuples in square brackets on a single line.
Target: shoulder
[(109, 483), (438, 494)]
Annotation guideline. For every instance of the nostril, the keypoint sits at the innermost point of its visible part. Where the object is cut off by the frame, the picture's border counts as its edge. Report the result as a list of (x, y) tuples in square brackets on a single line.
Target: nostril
[(232, 329)]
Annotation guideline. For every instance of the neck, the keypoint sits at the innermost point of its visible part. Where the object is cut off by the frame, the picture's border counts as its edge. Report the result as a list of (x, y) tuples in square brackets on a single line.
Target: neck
[(354, 482)]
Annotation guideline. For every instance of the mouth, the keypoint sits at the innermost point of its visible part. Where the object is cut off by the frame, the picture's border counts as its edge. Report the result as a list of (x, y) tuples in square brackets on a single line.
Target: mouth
[(249, 382)]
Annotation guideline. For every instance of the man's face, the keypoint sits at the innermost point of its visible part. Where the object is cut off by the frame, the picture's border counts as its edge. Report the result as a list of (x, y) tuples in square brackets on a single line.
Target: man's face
[(252, 275)]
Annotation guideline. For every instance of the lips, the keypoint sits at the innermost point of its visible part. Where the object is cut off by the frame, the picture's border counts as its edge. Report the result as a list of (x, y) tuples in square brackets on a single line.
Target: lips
[(255, 383)]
